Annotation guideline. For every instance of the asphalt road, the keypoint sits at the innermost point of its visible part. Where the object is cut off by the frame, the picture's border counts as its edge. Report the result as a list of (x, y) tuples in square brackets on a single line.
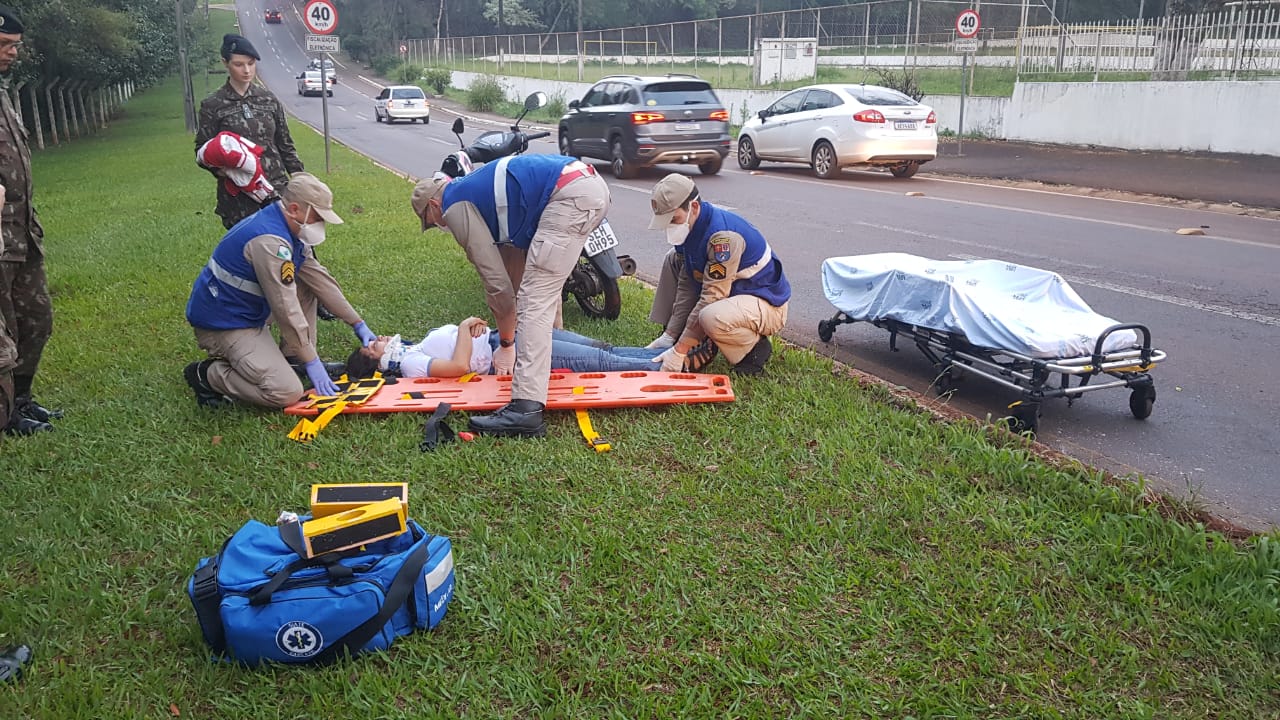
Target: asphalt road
[(1211, 301)]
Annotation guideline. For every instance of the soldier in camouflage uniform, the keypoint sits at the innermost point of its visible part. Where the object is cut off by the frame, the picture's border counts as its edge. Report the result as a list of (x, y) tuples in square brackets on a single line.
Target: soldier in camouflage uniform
[(26, 313), (252, 112)]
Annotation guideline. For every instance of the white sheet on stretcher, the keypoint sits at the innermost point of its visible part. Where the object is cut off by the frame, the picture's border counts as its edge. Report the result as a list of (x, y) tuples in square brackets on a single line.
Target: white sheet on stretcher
[(993, 304)]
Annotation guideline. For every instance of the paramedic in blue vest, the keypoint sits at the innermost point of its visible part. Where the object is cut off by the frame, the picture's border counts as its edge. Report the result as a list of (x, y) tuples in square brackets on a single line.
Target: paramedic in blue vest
[(251, 280), (740, 289), (537, 209)]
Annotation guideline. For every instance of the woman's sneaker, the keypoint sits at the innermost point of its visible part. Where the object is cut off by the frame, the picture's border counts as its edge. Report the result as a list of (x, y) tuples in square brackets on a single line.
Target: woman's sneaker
[(701, 356)]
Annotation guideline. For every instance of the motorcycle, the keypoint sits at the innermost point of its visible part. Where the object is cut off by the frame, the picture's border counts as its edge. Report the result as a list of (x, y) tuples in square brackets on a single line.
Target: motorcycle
[(593, 281)]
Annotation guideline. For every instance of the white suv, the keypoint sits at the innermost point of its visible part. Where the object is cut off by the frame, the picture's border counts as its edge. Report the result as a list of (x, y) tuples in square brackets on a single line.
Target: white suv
[(401, 102)]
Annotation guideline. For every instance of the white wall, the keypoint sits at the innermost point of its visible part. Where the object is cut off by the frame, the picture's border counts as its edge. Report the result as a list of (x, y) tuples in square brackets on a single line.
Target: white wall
[(1236, 117), (1221, 116)]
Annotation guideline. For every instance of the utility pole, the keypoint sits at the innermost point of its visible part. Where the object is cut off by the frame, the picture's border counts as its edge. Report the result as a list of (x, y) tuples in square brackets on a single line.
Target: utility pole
[(578, 44), (188, 97), (501, 30)]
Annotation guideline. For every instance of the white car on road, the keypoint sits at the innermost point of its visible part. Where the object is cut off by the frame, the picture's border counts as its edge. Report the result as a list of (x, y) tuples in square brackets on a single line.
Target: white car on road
[(830, 127), (401, 102), (309, 83)]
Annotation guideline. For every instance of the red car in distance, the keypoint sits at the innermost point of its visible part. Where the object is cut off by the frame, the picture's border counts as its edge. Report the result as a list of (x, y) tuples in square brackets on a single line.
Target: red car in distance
[(272, 17)]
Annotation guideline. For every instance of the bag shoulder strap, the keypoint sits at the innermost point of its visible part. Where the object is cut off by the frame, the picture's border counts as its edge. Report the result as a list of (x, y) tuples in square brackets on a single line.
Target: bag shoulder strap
[(397, 595)]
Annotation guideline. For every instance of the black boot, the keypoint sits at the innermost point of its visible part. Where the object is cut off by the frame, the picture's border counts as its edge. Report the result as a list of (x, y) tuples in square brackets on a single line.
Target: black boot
[(753, 362), (197, 376), (24, 405), (21, 426), (518, 418), (333, 369), (11, 662)]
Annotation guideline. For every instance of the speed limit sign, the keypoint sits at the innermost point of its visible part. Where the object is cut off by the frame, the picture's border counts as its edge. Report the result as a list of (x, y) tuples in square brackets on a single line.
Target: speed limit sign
[(967, 24), (320, 17)]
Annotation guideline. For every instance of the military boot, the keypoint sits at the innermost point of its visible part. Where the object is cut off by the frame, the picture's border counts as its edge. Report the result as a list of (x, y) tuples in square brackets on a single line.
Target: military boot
[(753, 362), (11, 662), (24, 405), (518, 418), (197, 376)]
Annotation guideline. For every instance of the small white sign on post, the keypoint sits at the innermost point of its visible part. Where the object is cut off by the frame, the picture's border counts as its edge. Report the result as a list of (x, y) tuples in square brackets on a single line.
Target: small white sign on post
[(323, 44), (966, 45)]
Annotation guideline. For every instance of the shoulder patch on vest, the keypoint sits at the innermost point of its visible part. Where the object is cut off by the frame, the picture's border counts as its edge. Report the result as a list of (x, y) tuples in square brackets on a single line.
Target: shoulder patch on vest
[(720, 251), (716, 271), (286, 273)]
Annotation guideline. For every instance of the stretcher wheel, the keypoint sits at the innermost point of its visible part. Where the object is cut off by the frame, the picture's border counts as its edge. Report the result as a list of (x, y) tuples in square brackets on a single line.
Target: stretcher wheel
[(825, 330), (1141, 401), (1024, 417)]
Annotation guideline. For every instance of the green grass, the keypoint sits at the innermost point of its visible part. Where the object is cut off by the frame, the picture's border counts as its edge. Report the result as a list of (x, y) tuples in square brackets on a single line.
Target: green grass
[(815, 549)]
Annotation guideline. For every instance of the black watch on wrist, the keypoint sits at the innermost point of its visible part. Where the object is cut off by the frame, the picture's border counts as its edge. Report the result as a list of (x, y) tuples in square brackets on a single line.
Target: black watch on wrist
[(506, 343)]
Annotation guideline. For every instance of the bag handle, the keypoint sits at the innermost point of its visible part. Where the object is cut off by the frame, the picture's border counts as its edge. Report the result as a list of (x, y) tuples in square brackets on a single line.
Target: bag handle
[(261, 595), (397, 596)]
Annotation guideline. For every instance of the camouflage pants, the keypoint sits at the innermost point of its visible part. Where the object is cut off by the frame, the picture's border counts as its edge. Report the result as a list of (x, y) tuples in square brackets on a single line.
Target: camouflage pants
[(26, 310), (8, 361)]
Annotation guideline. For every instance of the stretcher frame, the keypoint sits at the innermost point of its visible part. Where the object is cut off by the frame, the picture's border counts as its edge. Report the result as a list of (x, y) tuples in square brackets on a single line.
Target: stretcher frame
[(953, 356)]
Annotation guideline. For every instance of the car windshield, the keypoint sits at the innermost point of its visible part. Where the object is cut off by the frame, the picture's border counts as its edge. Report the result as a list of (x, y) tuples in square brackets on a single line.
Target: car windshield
[(407, 94), (871, 95), (680, 93)]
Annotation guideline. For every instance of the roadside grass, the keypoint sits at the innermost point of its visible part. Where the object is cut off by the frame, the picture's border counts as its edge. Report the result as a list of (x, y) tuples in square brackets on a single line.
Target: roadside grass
[(811, 550)]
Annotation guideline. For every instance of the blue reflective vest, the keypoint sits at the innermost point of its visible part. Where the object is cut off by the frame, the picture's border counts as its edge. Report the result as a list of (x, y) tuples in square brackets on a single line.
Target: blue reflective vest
[(530, 181), (226, 295), (768, 284)]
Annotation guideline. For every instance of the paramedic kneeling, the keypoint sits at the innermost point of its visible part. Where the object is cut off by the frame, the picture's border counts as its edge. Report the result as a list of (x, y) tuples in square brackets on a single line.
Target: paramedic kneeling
[(251, 278), (741, 291), (535, 210)]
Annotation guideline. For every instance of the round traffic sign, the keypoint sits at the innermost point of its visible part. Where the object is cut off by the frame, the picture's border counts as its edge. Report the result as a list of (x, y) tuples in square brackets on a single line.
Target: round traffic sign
[(404, 49), (967, 23), (320, 16)]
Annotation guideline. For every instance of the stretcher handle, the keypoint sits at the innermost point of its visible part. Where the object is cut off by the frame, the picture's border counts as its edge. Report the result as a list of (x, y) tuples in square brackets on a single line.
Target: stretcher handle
[(1098, 355)]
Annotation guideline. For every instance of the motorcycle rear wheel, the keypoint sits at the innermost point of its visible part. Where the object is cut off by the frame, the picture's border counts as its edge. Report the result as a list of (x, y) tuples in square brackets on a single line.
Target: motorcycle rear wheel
[(597, 295)]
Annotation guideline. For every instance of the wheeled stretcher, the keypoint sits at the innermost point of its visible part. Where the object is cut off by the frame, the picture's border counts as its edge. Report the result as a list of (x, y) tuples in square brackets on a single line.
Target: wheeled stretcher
[(1020, 327)]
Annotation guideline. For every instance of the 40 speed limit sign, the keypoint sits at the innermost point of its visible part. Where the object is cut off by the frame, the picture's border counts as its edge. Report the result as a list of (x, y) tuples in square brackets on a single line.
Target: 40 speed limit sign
[(967, 24), (320, 17)]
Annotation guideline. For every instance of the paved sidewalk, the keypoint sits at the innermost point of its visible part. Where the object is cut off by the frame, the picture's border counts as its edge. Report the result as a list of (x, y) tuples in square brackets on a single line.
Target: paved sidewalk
[(1249, 180)]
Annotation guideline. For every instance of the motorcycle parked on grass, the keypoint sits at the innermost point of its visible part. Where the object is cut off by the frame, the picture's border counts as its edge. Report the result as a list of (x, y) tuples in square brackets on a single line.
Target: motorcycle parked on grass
[(594, 280)]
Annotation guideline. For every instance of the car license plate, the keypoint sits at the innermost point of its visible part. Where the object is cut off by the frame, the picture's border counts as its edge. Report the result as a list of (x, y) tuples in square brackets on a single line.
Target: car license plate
[(600, 239), (904, 125), (688, 126)]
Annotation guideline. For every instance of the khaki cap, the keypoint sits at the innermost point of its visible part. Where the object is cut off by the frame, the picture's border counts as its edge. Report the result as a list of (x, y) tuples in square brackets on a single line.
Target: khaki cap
[(669, 194), (307, 188), (424, 192)]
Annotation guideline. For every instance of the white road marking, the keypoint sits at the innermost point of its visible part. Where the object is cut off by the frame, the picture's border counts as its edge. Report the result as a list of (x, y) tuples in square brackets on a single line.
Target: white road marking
[(1041, 213)]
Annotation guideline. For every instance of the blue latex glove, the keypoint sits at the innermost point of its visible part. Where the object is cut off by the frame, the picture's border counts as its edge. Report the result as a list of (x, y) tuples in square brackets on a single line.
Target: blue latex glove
[(364, 333), (320, 381)]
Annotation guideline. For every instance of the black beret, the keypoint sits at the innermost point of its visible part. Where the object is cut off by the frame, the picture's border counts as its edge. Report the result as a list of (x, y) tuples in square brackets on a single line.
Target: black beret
[(9, 22), (233, 44)]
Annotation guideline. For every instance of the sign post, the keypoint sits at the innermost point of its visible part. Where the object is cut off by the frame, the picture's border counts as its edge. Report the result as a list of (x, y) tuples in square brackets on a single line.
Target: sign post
[(321, 19), (967, 25)]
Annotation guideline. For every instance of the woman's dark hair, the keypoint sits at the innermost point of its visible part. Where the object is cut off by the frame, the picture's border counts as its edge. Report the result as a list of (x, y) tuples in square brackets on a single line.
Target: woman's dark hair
[(360, 366)]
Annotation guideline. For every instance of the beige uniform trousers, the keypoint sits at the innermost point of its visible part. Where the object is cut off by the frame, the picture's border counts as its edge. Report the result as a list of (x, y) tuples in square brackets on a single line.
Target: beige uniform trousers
[(571, 214), (249, 367), (737, 323)]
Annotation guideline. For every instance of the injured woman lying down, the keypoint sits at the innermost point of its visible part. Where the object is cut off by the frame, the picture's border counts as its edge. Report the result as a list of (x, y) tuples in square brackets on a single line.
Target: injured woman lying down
[(455, 350)]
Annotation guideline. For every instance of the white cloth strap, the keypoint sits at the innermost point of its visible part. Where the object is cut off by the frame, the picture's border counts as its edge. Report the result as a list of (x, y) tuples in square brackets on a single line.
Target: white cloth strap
[(235, 281), (500, 200)]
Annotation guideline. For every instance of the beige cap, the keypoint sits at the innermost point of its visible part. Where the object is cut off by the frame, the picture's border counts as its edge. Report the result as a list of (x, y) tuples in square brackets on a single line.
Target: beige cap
[(306, 189), (668, 195), (426, 191)]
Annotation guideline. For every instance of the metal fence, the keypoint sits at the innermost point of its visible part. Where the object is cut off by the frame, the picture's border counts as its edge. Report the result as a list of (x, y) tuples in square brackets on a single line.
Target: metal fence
[(1240, 42), (66, 108), (851, 40)]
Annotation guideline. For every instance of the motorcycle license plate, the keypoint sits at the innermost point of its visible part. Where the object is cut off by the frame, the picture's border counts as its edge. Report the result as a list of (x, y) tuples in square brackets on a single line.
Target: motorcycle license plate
[(600, 239)]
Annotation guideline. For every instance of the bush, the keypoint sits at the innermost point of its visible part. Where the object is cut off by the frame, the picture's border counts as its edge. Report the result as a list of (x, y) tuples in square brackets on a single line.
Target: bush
[(384, 64), (485, 94), (408, 74), (901, 80), (556, 106), (438, 78)]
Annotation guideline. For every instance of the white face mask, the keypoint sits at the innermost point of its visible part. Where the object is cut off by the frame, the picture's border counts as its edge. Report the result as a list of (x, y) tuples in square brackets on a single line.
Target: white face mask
[(311, 233), (677, 233)]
